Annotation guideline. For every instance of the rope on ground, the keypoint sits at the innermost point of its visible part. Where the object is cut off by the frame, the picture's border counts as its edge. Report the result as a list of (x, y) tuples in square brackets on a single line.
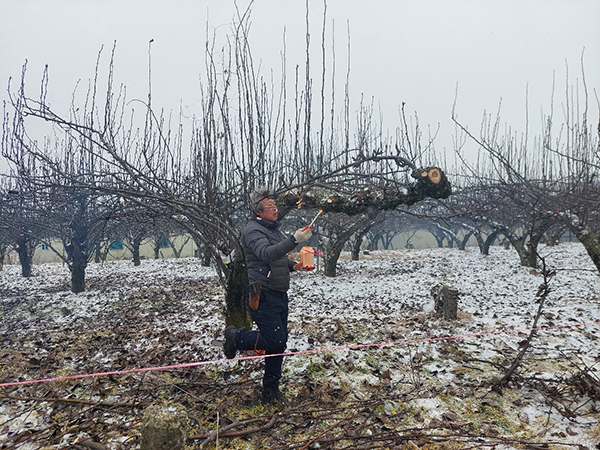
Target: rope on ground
[(301, 352)]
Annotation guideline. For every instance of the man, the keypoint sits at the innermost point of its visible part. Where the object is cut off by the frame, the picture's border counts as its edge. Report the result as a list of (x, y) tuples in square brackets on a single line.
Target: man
[(266, 249)]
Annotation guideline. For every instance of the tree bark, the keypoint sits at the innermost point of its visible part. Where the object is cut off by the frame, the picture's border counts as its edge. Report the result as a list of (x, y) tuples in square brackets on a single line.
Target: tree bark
[(336, 245), (25, 252), (462, 245), (590, 242), (446, 302), (78, 266), (355, 252), (358, 239), (235, 295), (135, 250), (526, 258), (205, 258), (485, 244), (431, 183), (331, 259), (527, 252), (98, 253), (439, 240), (164, 427)]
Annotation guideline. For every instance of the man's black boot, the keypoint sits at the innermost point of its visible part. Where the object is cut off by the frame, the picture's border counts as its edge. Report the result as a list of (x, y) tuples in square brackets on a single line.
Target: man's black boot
[(230, 344), (271, 395)]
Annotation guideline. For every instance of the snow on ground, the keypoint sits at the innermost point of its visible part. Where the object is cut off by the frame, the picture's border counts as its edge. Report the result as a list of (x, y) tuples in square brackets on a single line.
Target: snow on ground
[(169, 312)]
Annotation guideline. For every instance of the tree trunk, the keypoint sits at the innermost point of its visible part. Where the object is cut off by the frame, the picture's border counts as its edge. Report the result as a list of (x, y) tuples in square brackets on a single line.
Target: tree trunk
[(480, 243), (25, 255), (135, 250), (355, 253), (358, 239), (235, 293), (553, 239), (177, 250), (590, 242), (330, 262), (203, 253), (527, 253), (386, 242), (374, 240), (78, 266), (484, 245), (332, 254), (520, 248), (462, 245), (205, 259), (335, 244)]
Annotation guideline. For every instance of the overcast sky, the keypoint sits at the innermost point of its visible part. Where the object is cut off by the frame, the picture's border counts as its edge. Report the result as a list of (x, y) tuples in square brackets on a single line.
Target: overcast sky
[(413, 51)]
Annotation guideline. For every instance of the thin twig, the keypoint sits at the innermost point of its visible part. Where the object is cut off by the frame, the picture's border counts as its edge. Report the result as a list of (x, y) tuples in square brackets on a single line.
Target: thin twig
[(327, 430)]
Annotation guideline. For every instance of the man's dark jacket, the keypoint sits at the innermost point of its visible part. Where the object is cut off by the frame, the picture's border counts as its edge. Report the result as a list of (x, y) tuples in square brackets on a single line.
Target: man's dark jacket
[(266, 248)]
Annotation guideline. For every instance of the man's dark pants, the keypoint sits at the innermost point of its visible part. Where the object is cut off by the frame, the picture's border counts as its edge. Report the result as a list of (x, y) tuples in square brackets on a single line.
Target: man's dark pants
[(271, 318)]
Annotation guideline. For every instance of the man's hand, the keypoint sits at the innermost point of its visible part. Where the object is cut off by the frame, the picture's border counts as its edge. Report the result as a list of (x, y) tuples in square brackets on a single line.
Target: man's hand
[(303, 234), (299, 267)]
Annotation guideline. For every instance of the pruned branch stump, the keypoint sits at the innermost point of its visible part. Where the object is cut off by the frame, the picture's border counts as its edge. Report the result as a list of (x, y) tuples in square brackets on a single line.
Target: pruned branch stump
[(164, 427), (446, 301)]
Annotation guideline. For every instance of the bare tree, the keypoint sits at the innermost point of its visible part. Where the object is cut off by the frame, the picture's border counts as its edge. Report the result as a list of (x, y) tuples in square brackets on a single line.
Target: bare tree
[(385, 231), (6, 242), (58, 181), (361, 235), (23, 225), (240, 141), (132, 224), (335, 232), (537, 183)]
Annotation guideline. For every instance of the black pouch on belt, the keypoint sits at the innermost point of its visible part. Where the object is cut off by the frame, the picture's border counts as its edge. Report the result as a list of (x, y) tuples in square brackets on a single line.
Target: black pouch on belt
[(255, 288)]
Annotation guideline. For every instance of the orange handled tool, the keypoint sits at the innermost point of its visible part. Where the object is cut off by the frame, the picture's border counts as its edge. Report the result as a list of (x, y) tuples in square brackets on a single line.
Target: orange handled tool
[(310, 225)]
